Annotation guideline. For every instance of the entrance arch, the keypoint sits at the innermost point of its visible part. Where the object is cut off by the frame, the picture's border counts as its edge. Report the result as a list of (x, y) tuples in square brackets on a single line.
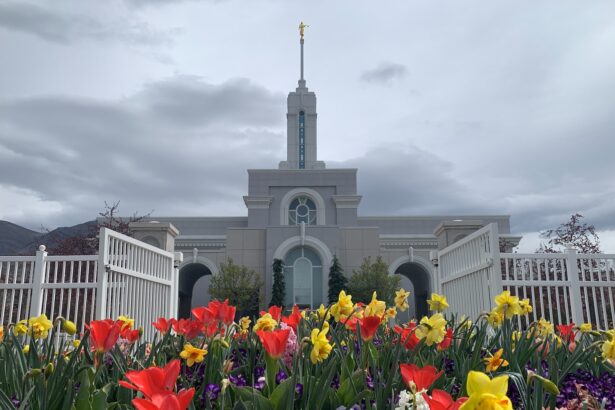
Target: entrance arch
[(416, 272), (193, 287)]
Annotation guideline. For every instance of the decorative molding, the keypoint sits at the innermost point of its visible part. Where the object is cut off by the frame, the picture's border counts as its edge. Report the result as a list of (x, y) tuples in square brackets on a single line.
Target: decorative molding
[(347, 201), (407, 241), (257, 202), (312, 194)]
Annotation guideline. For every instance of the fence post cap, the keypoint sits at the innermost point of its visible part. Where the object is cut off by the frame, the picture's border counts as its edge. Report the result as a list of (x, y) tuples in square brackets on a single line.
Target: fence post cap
[(42, 248)]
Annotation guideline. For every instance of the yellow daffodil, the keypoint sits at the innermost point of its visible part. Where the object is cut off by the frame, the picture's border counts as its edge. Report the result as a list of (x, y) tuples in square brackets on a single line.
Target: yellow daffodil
[(244, 324), (266, 323), (437, 303), (69, 327), (516, 336), (495, 318), (507, 304), (544, 328), (192, 354), (375, 307), (25, 349), (432, 329), (390, 313), (495, 362), (585, 328), (320, 344), (21, 328), (343, 308), (401, 299), (127, 323), (608, 349), (485, 393), (525, 306), (322, 311), (76, 343), (39, 326)]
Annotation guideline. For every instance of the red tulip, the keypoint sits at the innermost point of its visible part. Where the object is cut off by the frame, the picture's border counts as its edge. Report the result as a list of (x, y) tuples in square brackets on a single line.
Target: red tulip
[(369, 327), (293, 319), (566, 332), (407, 336), (274, 311), (441, 400), (181, 401), (163, 325), (274, 342), (421, 378), (104, 334), (204, 314), (446, 342), (226, 313), (153, 380), (188, 328), (131, 335)]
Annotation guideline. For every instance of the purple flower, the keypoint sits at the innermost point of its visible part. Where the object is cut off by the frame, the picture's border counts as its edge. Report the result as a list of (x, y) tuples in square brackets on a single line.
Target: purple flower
[(16, 402), (238, 380), (280, 377), (260, 383), (211, 392), (299, 389)]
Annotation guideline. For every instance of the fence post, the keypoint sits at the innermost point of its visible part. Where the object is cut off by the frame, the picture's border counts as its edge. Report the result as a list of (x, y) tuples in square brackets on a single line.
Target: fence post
[(572, 269), (495, 281), (38, 276), (102, 283), (178, 258)]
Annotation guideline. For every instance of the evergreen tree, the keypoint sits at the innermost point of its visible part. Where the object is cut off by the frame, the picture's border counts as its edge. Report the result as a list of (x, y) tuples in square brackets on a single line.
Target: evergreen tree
[(278, 293), (337, 280)]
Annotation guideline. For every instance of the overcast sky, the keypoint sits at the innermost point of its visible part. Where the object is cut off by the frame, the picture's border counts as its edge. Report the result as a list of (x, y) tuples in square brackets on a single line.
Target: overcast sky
[(468, 107)]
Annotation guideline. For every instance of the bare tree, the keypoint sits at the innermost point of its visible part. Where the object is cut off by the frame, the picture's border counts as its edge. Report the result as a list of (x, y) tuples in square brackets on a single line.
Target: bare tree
[(574, 232)]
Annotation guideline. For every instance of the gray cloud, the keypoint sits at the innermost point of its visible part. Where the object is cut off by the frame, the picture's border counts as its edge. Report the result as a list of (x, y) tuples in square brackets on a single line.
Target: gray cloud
[(384, 74), (79, 152), (50, 24)]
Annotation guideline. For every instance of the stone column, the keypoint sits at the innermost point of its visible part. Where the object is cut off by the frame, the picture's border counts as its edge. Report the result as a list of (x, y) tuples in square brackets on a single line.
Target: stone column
[(449, 232), (159, 234)]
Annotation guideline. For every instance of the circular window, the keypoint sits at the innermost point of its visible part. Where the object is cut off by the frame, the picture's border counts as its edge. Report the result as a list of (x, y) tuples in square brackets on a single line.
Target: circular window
[(302, 209)]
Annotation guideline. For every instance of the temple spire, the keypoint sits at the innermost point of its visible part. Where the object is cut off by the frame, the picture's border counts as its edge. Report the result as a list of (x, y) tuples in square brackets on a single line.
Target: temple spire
[(302, 27)]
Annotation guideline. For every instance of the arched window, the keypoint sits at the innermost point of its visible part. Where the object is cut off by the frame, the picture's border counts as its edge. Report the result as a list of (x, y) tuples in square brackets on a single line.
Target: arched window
[(303, 274), (302, 209)]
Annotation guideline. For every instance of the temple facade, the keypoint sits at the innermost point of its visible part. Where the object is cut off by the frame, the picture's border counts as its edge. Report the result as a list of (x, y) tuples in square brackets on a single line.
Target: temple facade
[(305, 213)]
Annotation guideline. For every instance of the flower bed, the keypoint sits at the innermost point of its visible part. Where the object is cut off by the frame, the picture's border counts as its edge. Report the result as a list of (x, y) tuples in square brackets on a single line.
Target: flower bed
[(343, 356)]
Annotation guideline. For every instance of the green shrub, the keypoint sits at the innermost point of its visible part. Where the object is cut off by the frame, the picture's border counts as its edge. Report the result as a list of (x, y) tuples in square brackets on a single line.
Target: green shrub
[(241, 285), (373, 276)]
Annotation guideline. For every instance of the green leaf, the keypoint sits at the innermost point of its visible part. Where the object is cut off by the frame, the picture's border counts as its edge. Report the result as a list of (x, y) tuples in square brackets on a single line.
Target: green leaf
[(282, 394), (250, 395), (83, 395), (351, 387), (547, 384), (99, 401)]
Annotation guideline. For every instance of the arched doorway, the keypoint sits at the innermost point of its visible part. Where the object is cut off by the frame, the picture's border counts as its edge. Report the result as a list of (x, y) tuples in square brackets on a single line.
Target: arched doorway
[(193, 288), (418, 281), (303, 277)]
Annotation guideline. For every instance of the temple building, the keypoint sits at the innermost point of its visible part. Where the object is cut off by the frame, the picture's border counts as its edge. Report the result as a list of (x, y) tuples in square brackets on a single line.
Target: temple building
[(305, 213)]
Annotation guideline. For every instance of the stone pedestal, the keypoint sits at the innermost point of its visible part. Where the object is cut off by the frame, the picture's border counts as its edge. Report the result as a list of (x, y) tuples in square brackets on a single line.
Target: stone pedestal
[(449, 232), (159, 234)]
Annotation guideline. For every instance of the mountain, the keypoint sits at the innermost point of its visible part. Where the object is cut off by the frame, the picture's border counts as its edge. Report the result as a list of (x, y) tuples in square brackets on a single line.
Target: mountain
[(14, 238), (17, 240)]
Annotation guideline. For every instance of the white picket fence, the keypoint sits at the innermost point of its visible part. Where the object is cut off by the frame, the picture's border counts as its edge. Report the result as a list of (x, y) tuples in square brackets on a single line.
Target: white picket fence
[(127, 277), (468, 275), (562, 287)]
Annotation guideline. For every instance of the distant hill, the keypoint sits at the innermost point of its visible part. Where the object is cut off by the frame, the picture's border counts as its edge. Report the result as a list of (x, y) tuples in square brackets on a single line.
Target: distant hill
[(14, 238), (17, 240)]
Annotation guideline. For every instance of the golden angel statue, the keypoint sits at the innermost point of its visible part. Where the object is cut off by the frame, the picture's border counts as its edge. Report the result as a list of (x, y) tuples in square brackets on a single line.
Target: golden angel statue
[(301, 29)]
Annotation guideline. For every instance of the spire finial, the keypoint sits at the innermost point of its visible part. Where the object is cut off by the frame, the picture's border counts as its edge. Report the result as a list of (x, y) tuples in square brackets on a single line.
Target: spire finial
[(301, 29)]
